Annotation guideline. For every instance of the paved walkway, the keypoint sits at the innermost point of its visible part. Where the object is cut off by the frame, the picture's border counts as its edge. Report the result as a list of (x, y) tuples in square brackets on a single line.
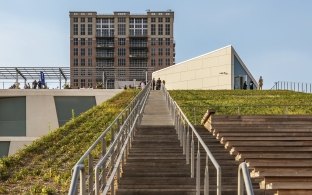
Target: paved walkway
[(156, 112)]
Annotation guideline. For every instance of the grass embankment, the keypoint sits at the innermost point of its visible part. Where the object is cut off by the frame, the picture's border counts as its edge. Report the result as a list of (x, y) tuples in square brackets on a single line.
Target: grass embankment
[(45, 165), (241, 102)]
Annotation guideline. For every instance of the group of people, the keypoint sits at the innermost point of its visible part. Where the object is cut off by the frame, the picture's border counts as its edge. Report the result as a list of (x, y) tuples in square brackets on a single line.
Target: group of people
[(38, 84), (252, 85), (158, 84)]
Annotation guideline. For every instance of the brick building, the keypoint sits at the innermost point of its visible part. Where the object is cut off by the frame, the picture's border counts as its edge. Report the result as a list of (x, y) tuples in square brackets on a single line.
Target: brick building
[(120, 47)]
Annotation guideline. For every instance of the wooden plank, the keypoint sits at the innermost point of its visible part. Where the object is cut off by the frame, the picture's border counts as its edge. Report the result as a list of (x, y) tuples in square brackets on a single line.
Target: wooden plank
[(292, 185), (272, 155), (264, 134), (281, 172), (225, 139), (294, 192), (252, 163), (230, 144)]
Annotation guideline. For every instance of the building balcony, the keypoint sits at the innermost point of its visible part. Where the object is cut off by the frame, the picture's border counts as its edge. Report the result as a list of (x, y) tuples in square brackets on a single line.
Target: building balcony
[(138, 55), (138, 45), (105, 55), (105, 45)]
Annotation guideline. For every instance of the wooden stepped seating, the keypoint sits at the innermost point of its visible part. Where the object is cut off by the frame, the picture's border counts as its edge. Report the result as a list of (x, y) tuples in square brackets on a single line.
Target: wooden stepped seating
[(277, 149)]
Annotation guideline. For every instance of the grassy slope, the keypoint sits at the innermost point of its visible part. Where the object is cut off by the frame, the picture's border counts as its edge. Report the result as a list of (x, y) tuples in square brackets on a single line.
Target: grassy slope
[(45, 165), (244, 102)]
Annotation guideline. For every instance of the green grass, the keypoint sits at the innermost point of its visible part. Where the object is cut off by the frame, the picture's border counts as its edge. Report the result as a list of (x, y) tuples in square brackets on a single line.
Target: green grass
[(45, 165), (241, 102)]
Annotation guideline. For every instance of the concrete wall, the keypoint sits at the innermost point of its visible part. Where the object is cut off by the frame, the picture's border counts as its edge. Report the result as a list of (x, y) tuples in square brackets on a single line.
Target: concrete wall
[(214, 70), (41, 113), (209, 71)]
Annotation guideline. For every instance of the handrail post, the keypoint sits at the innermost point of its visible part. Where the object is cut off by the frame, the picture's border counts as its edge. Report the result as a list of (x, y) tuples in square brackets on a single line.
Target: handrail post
[(90, 171), (206, 184), (198, 171), (192, 157), (82, 181), (188, 146)]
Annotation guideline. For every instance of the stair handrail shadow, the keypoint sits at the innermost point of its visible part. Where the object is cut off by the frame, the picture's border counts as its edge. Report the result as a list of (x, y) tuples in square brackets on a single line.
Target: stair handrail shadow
[(184, 128), (119, 130)]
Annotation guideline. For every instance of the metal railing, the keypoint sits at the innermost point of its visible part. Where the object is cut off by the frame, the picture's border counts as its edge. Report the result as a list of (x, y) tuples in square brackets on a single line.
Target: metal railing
[(118, 153), (244, 178), (107, 146), (187, 135), (293, 86)]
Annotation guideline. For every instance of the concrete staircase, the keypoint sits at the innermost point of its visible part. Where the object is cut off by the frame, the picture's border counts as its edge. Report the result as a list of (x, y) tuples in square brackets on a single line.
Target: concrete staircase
[(156, 164), (276, 148)]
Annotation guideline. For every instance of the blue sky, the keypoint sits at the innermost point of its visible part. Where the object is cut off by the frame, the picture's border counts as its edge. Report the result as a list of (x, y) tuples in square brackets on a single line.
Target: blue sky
[(274, 38)]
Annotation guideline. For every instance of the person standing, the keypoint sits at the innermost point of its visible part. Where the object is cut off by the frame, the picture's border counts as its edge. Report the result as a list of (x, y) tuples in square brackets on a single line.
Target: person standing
[(158, 84), (260, 83), (245, 85), (251, 85), (153, 83)]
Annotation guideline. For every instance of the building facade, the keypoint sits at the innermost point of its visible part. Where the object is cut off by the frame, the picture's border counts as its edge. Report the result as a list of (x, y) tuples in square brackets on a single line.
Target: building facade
[(113, 50), (218, 69)]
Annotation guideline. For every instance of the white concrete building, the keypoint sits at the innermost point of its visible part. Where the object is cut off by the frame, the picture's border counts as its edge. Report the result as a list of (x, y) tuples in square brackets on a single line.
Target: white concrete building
[(219, 69), (26, 115)]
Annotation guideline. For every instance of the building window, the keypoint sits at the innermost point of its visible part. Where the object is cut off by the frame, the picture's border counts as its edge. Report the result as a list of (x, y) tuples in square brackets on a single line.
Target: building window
[(167, 62), (82, 19), (121, 29), (75, 61), (121, 51), (75, 51), (160, 19), (82, 29), (89, 41), (89, 51), (167, 51), (75, 72), (105, 27), (82, 41), (89, 29), (160, 51), (153, 29), (153, 52), (75, 41), (82, 83), (153, 41), (168, 41), (160, 62), (122, 20), (75, 29), (167, 29), (75, 82), (160, 29), (167, 20), (89, 61), (75, 19), (160, 41), (82, 62), (153, 20), (121, 41), (82, 72), (89, 19), (121, 62), (82, 52), (138, 26), (153, 62)]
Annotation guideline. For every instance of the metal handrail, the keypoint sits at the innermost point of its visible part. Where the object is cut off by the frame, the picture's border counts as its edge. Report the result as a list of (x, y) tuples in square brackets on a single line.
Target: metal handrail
[(114, 129), (244, 179), (123, 140), (293, 86), (184, 128)]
